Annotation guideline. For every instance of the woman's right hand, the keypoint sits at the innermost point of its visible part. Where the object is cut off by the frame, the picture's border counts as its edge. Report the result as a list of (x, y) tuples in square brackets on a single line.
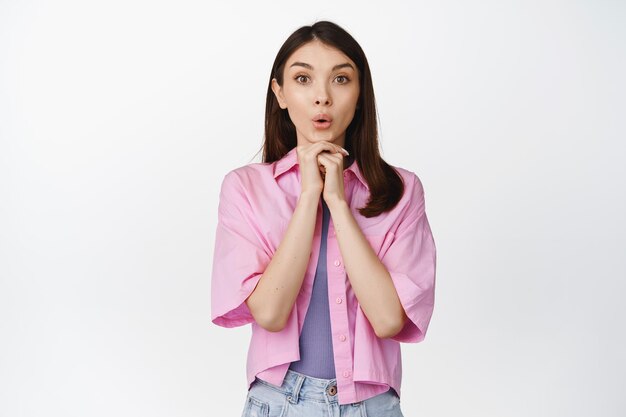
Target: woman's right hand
[(310, 171)]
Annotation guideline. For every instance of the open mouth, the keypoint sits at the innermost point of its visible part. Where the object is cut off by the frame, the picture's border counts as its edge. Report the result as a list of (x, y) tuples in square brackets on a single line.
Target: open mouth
[(322, 121)]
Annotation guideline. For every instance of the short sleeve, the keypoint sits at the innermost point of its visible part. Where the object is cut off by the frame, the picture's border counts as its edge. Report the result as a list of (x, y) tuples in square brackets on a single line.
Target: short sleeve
[(239, 257), (411, 262)]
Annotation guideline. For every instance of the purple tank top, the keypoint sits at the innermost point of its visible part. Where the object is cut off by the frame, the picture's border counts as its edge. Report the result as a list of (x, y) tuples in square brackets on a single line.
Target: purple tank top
[(316, 345)]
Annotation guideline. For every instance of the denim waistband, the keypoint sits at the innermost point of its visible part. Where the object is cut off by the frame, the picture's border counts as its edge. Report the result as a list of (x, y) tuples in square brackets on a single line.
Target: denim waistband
[(297, 385)]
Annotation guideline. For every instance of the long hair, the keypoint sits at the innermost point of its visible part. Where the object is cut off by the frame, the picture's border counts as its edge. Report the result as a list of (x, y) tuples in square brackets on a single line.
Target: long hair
[(385, 184)]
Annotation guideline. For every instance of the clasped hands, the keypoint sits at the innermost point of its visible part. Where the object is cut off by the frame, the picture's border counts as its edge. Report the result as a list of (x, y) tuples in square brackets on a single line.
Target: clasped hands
[(327, 176)]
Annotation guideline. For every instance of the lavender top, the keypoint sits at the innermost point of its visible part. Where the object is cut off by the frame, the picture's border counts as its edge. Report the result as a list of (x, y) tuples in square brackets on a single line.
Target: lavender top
[(316, 345)]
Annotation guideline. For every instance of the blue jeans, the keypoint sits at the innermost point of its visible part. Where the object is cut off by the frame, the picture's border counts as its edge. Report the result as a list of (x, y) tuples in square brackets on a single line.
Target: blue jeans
[(305, 396)]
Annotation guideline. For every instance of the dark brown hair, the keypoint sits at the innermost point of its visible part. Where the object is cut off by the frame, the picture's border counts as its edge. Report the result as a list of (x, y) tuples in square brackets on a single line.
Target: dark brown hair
[(385, 184)]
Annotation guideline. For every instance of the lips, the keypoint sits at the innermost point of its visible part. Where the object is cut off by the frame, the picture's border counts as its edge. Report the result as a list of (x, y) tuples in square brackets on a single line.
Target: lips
[(322, 121), (322, 117)]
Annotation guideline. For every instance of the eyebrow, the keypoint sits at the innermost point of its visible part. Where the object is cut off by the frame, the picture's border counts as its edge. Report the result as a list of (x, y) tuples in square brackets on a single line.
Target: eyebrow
[(309, 66)]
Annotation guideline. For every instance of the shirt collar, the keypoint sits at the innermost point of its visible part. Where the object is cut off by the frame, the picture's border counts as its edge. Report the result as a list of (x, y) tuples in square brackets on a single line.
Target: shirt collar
[(290, 159)]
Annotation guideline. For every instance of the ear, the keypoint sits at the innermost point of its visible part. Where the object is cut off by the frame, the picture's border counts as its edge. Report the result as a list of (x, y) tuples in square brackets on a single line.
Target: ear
[(278, 92)]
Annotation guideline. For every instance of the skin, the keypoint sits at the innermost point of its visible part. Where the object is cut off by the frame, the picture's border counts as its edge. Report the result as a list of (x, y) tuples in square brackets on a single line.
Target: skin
[(306, 92)]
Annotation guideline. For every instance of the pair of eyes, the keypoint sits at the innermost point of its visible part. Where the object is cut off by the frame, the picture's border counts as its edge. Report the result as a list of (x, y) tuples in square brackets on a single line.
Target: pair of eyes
[(344, 78)]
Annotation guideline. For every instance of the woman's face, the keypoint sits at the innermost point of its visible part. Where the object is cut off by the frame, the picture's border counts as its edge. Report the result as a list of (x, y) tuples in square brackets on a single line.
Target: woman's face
[(319, 81)]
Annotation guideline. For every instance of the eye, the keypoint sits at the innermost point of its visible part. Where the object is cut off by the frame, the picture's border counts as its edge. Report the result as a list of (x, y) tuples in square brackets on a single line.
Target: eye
[(346, 79), (299, 76)]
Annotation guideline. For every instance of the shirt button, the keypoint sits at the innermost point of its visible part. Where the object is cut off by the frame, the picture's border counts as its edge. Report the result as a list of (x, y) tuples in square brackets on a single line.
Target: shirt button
[(346, 374), (342, 337), (337, 262), (338, 300)]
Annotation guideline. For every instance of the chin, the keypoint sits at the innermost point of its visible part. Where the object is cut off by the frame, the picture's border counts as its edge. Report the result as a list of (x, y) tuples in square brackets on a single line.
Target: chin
[(327, 137), (321, 137)]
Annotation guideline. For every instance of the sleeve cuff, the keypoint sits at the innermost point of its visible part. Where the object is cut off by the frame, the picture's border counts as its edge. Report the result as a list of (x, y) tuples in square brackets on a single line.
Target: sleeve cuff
[(237, 313), (418, 306)]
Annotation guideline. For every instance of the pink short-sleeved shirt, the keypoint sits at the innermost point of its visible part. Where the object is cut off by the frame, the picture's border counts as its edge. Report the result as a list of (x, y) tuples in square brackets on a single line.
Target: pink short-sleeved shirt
[(256, 204)]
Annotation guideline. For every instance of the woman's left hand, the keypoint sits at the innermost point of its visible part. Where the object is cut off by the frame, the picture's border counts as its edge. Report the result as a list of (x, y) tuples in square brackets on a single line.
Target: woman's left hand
[(331, 165)]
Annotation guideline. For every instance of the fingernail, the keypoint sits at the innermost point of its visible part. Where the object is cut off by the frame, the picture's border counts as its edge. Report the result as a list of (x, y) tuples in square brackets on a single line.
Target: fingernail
[(345, 151)]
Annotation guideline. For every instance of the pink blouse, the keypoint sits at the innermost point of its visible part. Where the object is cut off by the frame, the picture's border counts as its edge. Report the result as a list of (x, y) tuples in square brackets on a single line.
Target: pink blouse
[(256, 204)]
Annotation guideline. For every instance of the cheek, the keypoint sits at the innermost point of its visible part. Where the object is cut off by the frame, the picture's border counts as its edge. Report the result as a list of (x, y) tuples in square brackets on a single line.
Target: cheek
[(348, 103), (294, 109), (355, 97), (350, 97), (296, 103), (297, 114)]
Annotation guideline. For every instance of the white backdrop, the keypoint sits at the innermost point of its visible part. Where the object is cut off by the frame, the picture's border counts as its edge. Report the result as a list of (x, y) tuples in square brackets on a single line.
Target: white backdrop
[(119, 119)]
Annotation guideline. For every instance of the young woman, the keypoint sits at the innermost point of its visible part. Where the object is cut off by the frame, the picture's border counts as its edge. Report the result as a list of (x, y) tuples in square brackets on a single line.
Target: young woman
[(323, 247)]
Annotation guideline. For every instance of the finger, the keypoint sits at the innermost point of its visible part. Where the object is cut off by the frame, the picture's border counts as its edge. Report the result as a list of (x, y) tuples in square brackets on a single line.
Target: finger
[(337, 148), (336, 156), (310, 152), (341, 150), (330, 158), (330, 147), (320, 165), (329, 162)]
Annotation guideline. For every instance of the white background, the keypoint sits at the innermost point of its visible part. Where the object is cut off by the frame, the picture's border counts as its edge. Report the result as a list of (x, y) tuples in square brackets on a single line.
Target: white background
[(119, 119)]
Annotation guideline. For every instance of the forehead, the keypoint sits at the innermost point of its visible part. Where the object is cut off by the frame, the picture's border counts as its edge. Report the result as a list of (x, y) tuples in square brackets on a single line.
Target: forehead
[(318, 55)]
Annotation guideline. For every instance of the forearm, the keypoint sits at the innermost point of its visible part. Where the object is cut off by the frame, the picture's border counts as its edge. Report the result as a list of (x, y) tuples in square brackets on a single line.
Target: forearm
[(273, 298), (368, 276)]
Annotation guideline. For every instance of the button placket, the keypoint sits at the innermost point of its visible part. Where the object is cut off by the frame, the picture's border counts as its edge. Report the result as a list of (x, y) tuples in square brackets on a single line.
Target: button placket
[(339, 319)]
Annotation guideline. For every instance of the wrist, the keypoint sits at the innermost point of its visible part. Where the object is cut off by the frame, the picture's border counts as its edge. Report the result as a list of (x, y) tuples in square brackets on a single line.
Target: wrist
[(336, 203), (309, 198)]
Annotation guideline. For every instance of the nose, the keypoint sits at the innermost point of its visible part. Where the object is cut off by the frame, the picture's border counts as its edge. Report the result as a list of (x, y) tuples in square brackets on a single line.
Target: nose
[(323, 99), (322, 96)]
